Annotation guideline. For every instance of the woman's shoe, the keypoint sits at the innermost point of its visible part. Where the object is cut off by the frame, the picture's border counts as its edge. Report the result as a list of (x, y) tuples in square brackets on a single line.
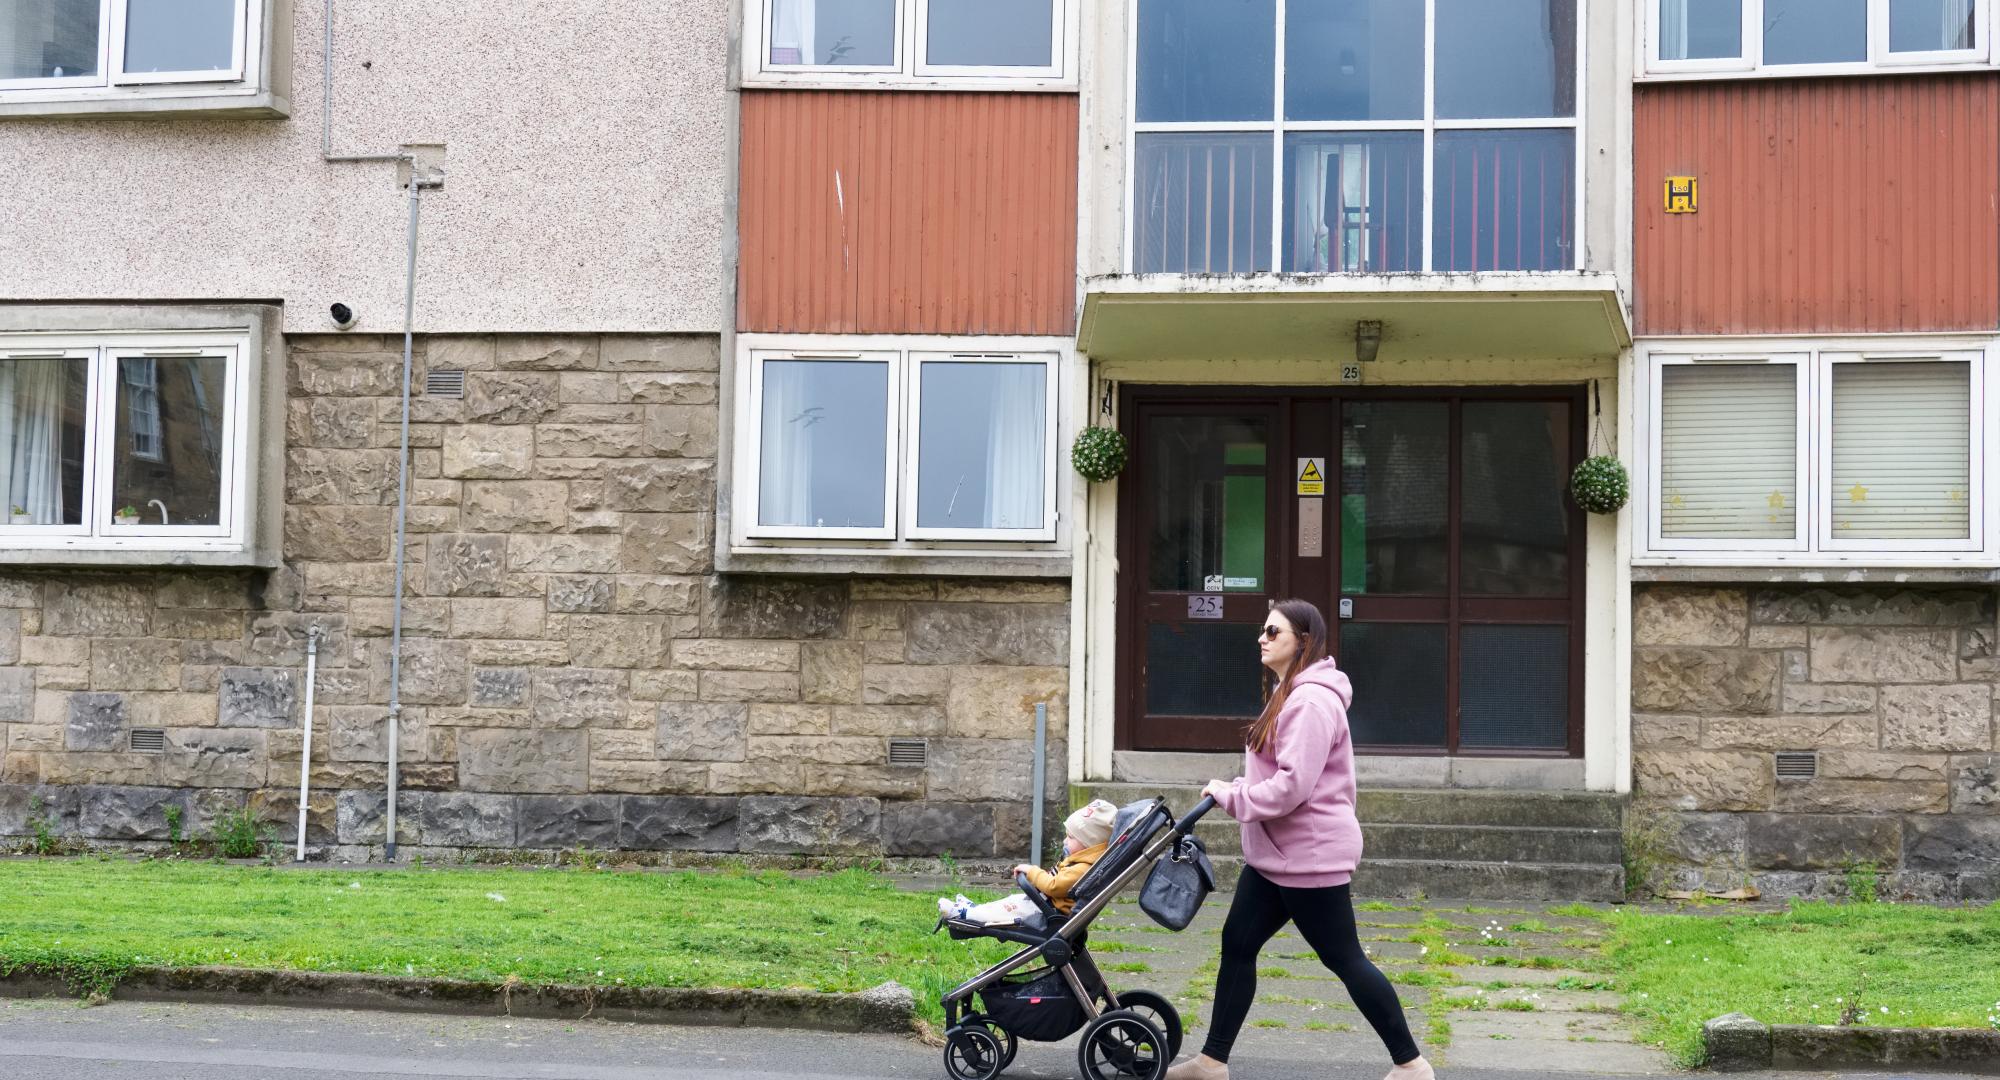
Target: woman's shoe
[(1199, 1067), (1415, 1069)]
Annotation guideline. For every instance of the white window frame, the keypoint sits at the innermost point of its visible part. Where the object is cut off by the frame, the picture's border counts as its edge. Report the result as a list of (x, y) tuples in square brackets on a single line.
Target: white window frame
[(901, 537), (1823, 520), (1880, 59), (99, 531), (913, 69), (914, 425), (753, 504), (234, 73), (1656, 536), (1429, 125), (1815, 546), (12, 534), (113, 88)]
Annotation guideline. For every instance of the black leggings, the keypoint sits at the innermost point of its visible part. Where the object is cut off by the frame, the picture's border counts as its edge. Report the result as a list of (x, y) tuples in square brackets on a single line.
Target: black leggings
[(1325, 918)]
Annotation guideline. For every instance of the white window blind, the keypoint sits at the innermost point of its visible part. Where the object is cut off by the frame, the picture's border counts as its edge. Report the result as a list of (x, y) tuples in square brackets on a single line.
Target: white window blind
[(1901, 450), (1729, 451)]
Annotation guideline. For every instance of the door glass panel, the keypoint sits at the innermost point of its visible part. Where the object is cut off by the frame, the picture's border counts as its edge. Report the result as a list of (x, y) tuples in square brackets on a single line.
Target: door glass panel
[(1203, 669), (1513, 535), (1208, 487), (1394, 487), (1398, 671), (1514, 687)]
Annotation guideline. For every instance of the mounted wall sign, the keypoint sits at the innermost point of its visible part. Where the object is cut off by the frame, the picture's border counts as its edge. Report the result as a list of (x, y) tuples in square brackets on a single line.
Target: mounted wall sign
[(1312, 476), (1680, 194)]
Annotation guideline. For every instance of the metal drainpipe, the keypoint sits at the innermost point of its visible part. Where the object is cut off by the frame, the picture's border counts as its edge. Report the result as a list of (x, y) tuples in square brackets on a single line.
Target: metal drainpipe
[(418, 182)]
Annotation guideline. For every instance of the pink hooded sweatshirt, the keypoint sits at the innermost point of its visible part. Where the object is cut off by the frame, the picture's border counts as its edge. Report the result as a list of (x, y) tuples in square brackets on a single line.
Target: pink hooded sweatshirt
[(1296, 799)]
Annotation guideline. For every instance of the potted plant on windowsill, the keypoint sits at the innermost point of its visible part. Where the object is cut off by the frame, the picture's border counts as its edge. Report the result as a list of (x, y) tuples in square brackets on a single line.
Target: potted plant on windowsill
[(18, 516), (126, 515)]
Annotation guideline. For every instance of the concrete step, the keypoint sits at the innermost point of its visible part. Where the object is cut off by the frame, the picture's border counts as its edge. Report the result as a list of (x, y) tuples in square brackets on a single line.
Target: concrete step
[(1419, 806), (1478, 843), (1386, 878)]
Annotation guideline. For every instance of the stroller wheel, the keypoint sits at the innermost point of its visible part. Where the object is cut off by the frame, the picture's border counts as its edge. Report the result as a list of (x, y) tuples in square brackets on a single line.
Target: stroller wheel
[(971, 1052), (1122, 1043), (1156, 1008)]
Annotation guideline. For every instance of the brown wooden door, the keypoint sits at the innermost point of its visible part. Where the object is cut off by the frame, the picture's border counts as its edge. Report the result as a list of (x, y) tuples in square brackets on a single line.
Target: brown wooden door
[(1441, 548)]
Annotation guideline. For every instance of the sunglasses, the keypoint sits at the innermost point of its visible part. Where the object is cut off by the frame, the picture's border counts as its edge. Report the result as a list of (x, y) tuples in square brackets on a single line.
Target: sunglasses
[(1271, 632)]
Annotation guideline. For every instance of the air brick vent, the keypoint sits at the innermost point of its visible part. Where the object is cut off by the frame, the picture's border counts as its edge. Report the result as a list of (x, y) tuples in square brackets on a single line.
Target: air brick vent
[(1797, 764), (445, 382), (908, 751), (149, 740)]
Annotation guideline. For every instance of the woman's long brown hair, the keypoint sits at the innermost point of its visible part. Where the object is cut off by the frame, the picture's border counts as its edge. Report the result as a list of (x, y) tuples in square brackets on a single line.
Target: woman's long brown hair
[(1310, 626)]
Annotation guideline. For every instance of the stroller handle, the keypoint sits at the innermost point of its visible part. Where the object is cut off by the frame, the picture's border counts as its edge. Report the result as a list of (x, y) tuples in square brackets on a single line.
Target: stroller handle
[(1186, 824)]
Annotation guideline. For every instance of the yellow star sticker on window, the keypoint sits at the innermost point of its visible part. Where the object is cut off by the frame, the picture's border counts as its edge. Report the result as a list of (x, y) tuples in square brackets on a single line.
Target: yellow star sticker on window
[(1857, 493), (1676, 502), (1955, 496), (1777, 500)]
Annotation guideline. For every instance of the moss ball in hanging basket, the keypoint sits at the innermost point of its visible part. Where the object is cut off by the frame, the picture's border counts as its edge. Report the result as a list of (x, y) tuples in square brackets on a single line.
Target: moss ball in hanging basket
[(1098, 453), (1600, 484)]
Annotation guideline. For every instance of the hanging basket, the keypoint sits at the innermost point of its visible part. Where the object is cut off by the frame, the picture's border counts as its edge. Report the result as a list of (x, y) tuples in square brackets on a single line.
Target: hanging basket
[(1099, 453), (1600, 484)]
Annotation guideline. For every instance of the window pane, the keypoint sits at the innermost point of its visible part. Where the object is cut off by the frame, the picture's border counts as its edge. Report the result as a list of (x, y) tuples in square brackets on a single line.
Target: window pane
[(980, 453), (41, 439), (991, 33), (1206, 59), (180, 35), (167, 458), (1815, 31), (1394, 489), (1204, 203), (824, 444), (1513, 689), (1209, 487), (1729, 447), (1399, 673), (48, 39), (1504, 200), (1701, 29), (1513, 531), (1902, 451), (1498, 58), (1354, 202), (1929, 25), (1203, 669), (1354, 60), (833, 33)]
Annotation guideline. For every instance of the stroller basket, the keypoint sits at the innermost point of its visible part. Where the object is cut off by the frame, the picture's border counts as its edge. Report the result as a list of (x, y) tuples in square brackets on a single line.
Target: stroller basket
[(1040, 1007)]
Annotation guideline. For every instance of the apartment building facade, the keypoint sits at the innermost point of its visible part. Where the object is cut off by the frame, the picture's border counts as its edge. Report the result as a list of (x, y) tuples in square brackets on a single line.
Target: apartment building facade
[(754, 528)]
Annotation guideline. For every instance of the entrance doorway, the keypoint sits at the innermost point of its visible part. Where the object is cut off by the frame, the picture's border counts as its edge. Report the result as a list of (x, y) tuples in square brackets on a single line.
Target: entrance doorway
[(1431, 526)]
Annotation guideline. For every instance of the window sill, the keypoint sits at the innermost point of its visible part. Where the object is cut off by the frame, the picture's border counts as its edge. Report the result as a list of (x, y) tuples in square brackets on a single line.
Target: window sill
[(138, 558), (1814, 71), (213, 104), (1968, 573), (932, 83), (744, 559)]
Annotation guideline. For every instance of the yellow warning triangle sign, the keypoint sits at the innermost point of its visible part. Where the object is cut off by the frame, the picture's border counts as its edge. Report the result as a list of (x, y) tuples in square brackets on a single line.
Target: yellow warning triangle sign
[(1310, 473)]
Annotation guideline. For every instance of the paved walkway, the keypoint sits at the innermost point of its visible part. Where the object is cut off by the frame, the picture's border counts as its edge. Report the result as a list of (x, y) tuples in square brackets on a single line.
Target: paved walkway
[(1517, 984)]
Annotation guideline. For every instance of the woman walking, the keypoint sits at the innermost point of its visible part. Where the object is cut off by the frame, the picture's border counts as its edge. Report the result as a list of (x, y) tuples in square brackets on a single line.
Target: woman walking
[(1300, 844)]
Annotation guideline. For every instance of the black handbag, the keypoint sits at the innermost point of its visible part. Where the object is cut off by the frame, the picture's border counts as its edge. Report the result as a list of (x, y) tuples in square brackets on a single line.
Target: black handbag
[(1177, 885)]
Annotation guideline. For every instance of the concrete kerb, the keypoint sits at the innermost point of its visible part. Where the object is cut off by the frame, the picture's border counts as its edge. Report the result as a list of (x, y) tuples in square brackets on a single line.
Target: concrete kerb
[(886, 1009), (1739, 1043)]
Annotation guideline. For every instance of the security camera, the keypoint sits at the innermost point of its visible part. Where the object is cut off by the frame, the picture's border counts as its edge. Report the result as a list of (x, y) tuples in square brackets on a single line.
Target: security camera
[(343, 317)]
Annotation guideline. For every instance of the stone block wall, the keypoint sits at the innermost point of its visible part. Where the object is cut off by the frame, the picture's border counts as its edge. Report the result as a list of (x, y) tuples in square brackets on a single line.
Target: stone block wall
[(1893, 687), (573, 671)]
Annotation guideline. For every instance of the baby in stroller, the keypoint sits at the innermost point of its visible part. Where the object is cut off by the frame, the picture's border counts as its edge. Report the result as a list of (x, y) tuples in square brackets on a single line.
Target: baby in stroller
[(1086, 834)]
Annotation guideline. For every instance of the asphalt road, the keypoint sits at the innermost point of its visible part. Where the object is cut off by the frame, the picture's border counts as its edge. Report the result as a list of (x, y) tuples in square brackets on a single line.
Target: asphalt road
[(60, 1040)]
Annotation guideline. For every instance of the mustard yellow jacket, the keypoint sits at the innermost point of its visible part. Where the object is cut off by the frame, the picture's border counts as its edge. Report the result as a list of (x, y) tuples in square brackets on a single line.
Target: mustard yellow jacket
[(1056, 886)]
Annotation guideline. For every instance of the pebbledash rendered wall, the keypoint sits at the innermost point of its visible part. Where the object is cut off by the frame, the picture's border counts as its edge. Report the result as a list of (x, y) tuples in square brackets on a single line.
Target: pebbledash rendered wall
[(573, 672), (1892, 686)]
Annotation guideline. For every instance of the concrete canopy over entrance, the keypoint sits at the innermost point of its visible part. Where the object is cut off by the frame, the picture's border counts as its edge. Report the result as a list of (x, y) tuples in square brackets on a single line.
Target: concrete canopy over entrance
[(1271, 316)]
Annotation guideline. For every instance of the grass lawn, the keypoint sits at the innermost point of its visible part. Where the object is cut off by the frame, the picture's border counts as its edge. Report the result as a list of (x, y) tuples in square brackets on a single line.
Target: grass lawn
[(1892, 965), (834, 932)]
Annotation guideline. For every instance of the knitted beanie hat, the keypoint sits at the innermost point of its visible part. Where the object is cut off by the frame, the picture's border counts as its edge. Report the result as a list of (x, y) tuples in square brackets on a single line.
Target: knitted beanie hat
[(1092, 824)]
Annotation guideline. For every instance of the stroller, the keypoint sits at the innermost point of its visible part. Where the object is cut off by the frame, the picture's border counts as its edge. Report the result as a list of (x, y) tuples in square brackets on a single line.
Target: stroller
[(1134, 1033)]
